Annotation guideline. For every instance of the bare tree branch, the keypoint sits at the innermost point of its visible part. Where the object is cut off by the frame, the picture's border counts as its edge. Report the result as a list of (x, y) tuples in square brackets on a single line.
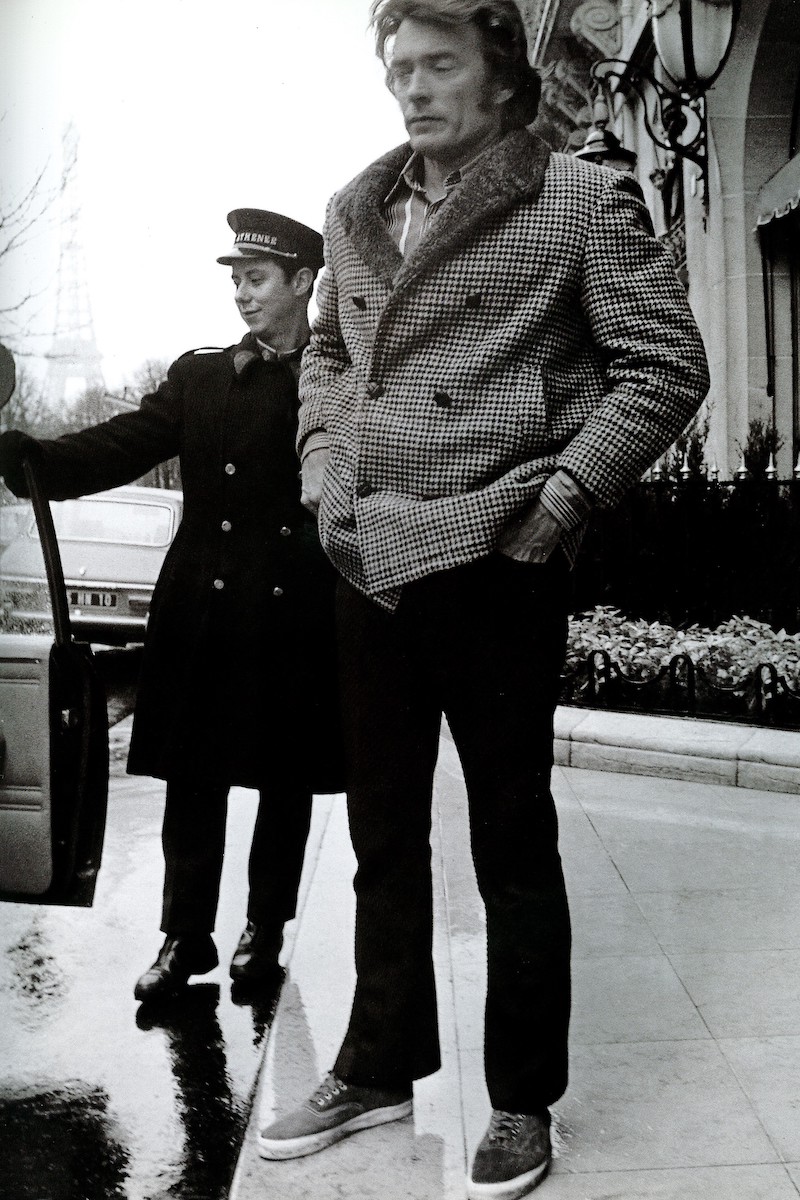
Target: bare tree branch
[(23, 218)]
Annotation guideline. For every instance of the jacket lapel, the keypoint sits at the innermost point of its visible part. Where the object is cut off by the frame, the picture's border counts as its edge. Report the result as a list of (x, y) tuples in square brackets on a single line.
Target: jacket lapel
[(359, 206), (510, 173)]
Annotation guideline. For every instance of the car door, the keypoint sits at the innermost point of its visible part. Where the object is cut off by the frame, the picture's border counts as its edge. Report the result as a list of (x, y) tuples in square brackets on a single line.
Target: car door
[(53, 749)]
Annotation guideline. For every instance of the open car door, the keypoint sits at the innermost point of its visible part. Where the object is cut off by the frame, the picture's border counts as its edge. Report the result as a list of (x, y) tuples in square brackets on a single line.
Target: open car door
[(53, 750)]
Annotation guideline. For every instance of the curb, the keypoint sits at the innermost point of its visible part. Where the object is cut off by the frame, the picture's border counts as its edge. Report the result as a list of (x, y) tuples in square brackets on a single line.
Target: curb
[(716, 752)]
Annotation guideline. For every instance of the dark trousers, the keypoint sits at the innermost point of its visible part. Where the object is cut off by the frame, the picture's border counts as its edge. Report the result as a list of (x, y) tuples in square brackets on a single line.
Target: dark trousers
[(484, 644), (193, 840)]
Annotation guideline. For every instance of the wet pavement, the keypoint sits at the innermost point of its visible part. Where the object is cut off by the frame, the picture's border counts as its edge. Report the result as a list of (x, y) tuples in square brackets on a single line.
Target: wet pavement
[(101, 1097), (685, 1063)]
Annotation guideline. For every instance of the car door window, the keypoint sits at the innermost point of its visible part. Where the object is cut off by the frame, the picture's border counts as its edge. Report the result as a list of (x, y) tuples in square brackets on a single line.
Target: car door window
[(25, 600)]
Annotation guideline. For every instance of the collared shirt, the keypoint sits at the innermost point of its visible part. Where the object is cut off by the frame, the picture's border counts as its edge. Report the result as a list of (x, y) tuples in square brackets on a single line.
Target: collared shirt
[(407, 209), (270, 354)]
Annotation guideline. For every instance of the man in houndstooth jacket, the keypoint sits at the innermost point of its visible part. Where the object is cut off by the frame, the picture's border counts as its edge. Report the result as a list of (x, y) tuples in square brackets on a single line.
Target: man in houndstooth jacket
[(501, 344)]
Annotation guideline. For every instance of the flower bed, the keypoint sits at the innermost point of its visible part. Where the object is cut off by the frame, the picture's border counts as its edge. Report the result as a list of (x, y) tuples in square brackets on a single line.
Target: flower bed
[(742, 670)]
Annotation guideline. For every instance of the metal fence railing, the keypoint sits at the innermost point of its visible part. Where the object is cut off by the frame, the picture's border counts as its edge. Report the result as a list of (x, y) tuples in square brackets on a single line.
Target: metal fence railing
[(762, 696)]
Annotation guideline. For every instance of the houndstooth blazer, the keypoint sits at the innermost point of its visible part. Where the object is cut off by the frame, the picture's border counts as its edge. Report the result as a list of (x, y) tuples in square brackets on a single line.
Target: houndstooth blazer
[(538, 325)]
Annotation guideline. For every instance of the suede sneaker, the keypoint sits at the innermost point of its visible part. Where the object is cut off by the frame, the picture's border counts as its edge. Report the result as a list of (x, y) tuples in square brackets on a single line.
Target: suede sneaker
[(334, 1111), (513, 1157)]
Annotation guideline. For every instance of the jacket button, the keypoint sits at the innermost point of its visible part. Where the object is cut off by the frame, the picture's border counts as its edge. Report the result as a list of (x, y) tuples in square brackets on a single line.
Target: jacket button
[(374, 389), (219, 584), (226, 527), (277, 591), (360, 302), (285, 531), (230, 469), (364, 489), (474, 300), (442, 399)]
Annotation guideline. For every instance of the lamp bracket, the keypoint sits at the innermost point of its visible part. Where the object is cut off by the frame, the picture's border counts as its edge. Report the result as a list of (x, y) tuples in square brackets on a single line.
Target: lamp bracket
[(675, 120)]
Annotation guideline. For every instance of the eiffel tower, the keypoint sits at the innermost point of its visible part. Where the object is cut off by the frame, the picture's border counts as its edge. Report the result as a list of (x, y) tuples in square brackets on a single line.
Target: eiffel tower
[(74, 362)]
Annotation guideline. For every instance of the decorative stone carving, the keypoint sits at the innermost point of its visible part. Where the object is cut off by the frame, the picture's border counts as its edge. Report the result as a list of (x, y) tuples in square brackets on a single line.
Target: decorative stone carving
[(566, 105), (596, 24)]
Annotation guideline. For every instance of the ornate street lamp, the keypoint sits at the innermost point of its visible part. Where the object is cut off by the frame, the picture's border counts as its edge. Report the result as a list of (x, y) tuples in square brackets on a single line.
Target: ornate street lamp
[(692, 39)]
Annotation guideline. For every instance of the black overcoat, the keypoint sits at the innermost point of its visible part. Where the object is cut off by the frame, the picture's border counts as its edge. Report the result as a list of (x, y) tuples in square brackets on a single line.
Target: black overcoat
[(238, 677)]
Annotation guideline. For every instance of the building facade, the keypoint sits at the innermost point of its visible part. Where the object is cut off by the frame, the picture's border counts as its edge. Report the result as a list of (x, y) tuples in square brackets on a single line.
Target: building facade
[(735, 235)]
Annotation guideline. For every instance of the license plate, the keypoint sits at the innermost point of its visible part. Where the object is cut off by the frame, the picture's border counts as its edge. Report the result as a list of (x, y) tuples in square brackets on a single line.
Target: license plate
[(93, 599)]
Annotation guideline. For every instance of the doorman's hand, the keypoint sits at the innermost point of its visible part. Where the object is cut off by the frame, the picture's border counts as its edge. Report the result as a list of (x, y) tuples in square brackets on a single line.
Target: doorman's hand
[(15, 447), (311, 473), (533, 538)]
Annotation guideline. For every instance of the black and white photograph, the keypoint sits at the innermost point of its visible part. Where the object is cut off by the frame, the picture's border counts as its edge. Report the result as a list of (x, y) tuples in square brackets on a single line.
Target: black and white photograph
[(400, 600)]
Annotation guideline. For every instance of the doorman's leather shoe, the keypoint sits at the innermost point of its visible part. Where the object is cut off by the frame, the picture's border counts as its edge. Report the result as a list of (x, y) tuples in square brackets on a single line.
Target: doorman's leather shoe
[(256, 956), (178, 958)]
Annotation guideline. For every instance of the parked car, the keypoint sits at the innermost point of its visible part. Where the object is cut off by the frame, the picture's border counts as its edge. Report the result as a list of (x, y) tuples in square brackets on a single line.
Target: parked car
[(14, 519), (112, 548)]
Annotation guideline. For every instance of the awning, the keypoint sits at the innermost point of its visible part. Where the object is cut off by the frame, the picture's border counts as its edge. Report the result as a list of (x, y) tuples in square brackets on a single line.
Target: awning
[(780, 195)]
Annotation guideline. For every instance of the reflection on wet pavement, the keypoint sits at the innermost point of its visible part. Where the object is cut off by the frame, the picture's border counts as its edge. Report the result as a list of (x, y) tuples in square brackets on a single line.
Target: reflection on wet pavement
[(37, 978), (60, 1144), (212, 1115), (101, 1098)]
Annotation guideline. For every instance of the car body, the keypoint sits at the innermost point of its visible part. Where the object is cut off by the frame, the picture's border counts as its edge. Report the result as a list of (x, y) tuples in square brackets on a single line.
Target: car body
[(113, 545)]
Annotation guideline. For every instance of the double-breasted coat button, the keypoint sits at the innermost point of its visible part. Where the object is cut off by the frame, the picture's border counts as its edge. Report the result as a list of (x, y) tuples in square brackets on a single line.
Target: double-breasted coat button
[(442, 400), (474, 300), (360, 302), (364, 489), (285, 531), (219, 584), (374, 389), (277, 591), (226, 526), (230, 469)]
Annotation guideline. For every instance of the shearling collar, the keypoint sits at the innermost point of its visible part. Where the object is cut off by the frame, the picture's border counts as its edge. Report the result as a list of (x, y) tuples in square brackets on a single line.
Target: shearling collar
[(510, 172)]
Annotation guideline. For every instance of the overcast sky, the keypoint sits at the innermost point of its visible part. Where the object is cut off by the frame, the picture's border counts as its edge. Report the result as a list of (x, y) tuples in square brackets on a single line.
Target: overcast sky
[(185, 109)]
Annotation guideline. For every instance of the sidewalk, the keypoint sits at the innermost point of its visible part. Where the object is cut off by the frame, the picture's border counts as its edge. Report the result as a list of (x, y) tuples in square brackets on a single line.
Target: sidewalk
[(685, 1072)]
